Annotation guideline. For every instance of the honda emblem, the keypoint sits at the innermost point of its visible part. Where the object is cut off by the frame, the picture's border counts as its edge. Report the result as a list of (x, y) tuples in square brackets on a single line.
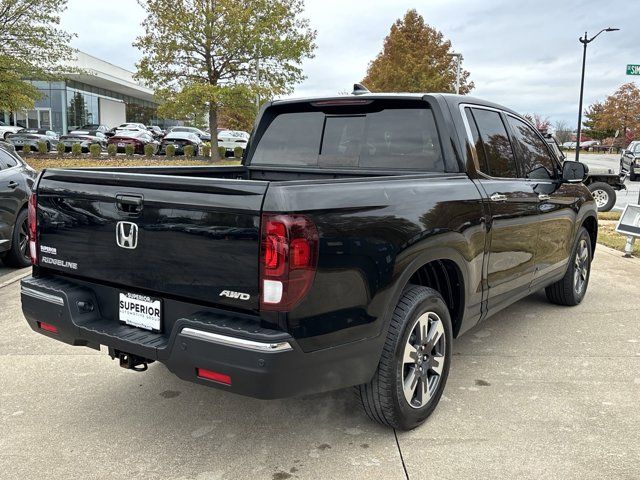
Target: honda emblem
[(127, 235)]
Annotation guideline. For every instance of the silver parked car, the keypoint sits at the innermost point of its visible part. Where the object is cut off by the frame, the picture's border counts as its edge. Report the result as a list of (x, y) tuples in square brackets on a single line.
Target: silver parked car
[(31, 137), (85, 139)]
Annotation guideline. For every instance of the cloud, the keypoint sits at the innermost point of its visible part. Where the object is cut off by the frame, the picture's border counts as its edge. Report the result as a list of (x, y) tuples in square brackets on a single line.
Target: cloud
[(523, 54)]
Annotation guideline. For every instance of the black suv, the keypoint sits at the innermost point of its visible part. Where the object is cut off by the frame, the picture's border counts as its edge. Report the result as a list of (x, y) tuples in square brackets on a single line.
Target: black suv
[(16, 182)]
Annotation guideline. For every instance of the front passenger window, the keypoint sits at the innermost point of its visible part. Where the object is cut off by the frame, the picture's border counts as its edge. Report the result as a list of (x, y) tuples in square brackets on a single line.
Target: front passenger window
[(535, 156)]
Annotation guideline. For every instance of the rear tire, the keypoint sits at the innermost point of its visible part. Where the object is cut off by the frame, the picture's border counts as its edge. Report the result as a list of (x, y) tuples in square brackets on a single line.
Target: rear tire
[(19, 255), (414, 365), (604, 195), (571, 289)]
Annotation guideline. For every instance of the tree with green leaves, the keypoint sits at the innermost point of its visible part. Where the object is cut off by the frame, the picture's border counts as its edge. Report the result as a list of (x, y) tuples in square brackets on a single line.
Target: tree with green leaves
[(415, 58), (593, 125), (32, 45), (206, 53)]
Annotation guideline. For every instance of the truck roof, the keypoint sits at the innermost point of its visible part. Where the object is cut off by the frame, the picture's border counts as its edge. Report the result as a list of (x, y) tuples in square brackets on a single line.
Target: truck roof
[(451, 99)]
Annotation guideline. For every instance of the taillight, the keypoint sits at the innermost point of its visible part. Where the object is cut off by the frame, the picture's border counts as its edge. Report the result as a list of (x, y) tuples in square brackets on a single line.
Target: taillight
[(289, 256), (33, 228)]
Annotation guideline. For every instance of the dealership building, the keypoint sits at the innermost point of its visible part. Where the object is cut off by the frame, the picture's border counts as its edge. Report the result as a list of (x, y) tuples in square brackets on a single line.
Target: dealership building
[(99, 92)]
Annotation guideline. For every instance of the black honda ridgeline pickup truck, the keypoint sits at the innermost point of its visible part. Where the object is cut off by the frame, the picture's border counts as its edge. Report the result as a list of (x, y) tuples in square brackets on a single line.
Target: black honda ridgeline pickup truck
[(360, 235)]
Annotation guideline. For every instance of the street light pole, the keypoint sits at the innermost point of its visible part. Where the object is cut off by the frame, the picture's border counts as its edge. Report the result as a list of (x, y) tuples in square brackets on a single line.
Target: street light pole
[(585, 41), (458, 58)]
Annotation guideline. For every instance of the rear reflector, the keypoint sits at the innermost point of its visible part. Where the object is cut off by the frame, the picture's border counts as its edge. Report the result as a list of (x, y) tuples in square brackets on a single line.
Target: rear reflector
[(47, 327), (214, 376)]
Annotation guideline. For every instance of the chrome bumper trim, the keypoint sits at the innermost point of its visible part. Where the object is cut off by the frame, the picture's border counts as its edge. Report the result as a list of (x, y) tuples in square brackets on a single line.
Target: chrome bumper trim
[(236, 342), (47, 297)]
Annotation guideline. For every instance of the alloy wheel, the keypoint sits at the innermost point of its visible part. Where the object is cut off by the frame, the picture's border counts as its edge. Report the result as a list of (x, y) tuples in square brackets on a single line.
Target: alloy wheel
[(601, 197), (581, 267), (423, 359), (23, 239)]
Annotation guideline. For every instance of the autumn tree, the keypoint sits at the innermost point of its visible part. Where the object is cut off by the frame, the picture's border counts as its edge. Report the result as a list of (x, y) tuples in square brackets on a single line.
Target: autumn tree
[(621, 112), (594, 124), (415, 58), (543, 124), (205, 53), (31, 46)]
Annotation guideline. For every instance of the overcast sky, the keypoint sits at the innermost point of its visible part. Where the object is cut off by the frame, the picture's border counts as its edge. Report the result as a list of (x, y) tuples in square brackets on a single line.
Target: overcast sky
[(523, 54)]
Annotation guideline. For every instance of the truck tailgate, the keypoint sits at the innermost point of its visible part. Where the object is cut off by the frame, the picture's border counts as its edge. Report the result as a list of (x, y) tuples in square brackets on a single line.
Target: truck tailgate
[(188, 237)]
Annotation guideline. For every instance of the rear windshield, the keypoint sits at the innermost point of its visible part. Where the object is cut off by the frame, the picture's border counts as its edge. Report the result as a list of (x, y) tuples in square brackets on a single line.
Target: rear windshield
[(366, 136)]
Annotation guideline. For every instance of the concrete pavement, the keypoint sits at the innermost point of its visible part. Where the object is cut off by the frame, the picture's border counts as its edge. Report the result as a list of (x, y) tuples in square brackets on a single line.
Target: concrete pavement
[(538, 391)]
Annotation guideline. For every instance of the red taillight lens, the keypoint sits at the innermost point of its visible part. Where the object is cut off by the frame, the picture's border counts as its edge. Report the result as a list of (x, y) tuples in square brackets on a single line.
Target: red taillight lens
[(214, 376), (288, 260), (33, 228), (47, 327)]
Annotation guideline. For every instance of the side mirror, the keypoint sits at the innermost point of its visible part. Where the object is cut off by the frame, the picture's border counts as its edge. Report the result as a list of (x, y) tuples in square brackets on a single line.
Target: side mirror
[(574, 172)]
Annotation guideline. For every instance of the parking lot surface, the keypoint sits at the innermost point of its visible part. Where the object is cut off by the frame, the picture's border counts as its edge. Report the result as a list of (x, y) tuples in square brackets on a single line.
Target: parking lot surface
[(538, 391)]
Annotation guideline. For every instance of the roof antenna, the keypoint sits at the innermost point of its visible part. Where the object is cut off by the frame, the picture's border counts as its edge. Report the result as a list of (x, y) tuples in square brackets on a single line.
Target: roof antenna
[(359, 89)]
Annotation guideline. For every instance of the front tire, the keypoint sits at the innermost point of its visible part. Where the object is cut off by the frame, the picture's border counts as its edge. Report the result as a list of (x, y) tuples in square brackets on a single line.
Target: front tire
[(571, 289), (604, 195), (19, 255), (415, 361)]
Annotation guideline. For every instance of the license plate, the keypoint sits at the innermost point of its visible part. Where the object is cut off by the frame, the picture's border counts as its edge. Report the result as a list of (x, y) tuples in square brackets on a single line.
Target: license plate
[(121, 144), (140, 311)]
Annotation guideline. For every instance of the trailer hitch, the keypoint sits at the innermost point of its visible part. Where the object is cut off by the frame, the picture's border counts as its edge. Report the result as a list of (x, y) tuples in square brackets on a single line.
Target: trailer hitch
[(133, 362)]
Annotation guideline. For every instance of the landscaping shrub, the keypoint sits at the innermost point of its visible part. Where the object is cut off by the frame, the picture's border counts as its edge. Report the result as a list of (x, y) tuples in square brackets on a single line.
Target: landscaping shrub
[(76, 150), (222, 152), (171, 151), (95, 150), (26, 150), (189, 151), (205, 151), (129, 150), (42, 148), (112, 150), (237, 152), (61, 148), (149, 150)]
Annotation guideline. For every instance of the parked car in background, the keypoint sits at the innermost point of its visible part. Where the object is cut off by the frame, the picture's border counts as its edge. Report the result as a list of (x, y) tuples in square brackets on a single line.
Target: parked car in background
[(137, 127), (16, 181), (6, 130), (230, 139), (569, 145), (601, 182), (29, 138), (92, 127), (180, 140), (136, 138), (630, 161), (156, 131), (204, 136), (85, 138)]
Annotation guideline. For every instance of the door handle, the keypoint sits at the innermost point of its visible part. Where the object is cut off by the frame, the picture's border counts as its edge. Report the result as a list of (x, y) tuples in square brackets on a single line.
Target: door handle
[(498, 197), (543, 197), (13, 184)]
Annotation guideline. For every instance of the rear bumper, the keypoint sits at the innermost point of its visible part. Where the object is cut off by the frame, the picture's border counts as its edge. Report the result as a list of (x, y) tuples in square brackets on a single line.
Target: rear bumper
[(260, 362)]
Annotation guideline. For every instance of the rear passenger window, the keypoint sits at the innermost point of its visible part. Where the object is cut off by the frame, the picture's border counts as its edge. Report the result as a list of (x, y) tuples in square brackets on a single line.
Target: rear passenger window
[(497, 147), (536, 160)]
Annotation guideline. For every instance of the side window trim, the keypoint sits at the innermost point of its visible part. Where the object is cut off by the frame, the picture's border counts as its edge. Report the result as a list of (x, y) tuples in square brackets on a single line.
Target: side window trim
[(474, 153)]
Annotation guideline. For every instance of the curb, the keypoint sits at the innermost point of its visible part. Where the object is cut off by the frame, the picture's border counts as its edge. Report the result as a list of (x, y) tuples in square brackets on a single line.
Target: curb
[(14, 279)]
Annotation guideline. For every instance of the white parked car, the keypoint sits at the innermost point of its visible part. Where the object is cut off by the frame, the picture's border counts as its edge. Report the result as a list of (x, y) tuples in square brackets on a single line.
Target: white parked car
[(132, 127), (230, 139), (6, 130)]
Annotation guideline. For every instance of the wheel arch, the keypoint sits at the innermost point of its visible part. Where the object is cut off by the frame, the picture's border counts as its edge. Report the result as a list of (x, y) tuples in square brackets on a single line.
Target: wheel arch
[(444, 270)]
